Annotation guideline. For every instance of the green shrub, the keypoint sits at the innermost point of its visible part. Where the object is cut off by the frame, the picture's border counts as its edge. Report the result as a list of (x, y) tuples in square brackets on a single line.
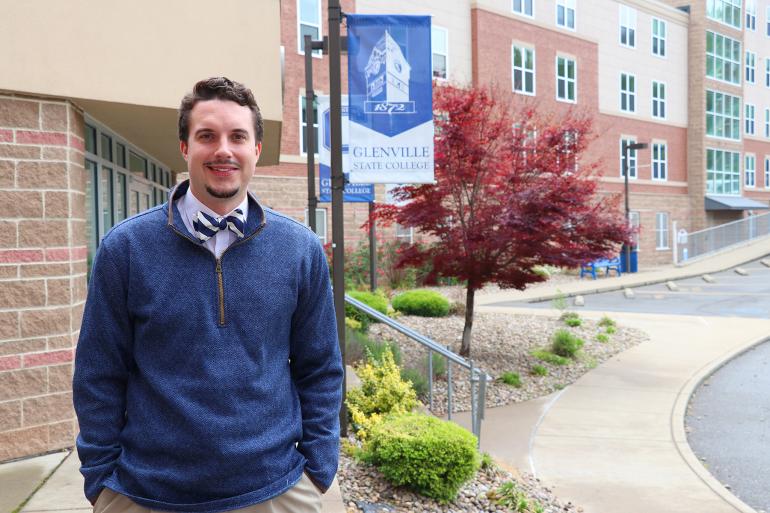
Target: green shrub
[(439, 364), (564, 343), (511, 378), (376, 300), (569, 315), (359, 347), (573, 323), (510, 496), (603, 338), (606, 322), (539, 370), (382, 392), (610, 330), (541, 271), (560, 301), (486, 461), (548, 357), (418, 380), (431, 456), (425, 303)]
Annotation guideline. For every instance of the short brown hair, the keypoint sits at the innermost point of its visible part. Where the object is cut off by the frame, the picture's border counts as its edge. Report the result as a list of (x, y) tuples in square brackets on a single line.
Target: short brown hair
[(219, 88)]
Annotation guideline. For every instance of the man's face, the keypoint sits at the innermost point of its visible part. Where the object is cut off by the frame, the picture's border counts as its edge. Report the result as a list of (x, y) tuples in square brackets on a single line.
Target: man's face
[(221, 153)]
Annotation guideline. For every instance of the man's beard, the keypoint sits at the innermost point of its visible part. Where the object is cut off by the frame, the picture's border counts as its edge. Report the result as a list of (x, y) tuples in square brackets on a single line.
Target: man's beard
[(222, 194)]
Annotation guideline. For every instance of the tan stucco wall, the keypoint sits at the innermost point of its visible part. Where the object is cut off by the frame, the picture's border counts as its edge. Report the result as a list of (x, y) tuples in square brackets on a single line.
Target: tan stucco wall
[(141, 57)]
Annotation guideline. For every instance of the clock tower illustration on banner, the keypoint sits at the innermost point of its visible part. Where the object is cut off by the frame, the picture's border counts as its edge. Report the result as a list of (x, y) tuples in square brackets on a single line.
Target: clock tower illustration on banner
[(387, 79)]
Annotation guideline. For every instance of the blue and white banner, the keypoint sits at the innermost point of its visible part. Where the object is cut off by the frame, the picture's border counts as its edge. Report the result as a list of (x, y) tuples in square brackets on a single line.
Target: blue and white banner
[(353, 193), (391, 99)]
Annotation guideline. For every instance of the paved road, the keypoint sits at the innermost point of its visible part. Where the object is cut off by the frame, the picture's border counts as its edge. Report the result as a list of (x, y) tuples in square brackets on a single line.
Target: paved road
[(729, 415), (731, 296), (728, 420)]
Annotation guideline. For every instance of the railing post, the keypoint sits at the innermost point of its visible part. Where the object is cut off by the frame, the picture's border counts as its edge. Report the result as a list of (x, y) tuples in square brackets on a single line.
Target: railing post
[(482, 389), (448, 387), (676, 243), (473, 398), (430, 379)]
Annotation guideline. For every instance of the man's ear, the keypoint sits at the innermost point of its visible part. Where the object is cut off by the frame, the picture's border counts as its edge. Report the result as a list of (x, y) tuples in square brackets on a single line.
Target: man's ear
[(183, 149), (259, 150)]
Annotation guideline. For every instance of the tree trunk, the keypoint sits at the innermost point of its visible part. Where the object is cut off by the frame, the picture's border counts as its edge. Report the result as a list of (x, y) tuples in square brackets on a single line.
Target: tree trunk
[(465, 348)]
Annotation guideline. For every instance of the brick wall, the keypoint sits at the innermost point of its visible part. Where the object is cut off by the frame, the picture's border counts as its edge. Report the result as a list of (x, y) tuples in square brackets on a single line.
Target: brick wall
[(42, 271)]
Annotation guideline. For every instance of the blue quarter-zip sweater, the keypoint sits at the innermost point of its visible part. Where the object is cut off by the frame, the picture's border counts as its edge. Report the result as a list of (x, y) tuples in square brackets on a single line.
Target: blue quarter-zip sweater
[(204, 384)]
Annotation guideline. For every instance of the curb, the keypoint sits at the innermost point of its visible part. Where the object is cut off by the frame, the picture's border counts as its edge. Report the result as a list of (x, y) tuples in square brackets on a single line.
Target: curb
[(679, 435)]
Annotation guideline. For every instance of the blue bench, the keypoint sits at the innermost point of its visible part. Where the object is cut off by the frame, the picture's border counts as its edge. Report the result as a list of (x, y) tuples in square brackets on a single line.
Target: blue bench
[(608, 264)]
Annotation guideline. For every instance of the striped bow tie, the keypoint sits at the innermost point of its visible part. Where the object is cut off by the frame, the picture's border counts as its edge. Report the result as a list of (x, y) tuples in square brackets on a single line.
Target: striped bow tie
[(207, 226)]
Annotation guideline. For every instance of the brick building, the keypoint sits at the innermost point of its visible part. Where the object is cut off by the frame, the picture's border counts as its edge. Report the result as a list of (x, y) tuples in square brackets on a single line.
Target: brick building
[(88, 100)]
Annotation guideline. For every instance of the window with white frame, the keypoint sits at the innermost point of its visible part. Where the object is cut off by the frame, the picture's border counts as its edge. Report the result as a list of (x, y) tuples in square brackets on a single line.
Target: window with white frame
[(725, 11), (632, 167), (404, 234), (723, 172), (635, 222), (566, 79), (659, 161), (751, 15), (767, 123), (767, 71), (658, 37), (439, 42), (723, 115), (749, 118), (523, 69), (308, 22), (661, 230), (723, 58), (627, 26), (303, 125), (749, 174), (565, 13), (525, 7), (767, 21), (767, 172), (751, 62), (658, 100), (320, 223), (627, 92)]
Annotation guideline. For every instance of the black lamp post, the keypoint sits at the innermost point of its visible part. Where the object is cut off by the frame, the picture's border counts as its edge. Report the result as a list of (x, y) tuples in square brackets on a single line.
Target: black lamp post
[(626, 148)]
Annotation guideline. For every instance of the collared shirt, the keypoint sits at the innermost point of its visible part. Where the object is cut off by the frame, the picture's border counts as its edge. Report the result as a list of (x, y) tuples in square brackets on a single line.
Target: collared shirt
[(189, 206)]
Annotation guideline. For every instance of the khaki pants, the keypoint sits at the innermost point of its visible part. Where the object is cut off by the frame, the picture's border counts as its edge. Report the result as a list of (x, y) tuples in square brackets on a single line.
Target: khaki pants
[(304, 497)]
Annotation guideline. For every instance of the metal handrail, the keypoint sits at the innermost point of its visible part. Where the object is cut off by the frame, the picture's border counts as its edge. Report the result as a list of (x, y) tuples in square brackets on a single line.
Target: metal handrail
[(478, 378), (689, 247)]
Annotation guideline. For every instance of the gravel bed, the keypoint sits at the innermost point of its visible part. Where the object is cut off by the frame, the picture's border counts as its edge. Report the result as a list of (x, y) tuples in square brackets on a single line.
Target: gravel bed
[(365, 489), (503, 343)]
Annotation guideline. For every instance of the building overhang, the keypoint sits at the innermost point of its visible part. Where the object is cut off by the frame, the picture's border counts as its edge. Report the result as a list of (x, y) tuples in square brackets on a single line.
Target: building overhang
[(733, 203)]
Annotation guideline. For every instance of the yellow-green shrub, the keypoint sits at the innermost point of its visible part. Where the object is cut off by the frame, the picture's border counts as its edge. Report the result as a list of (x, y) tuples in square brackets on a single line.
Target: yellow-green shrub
[(382, 392), (431, 456)]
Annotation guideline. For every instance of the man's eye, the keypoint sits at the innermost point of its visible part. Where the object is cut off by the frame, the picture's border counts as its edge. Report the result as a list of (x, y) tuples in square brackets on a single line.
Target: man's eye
[(205, 137), (239, 137)]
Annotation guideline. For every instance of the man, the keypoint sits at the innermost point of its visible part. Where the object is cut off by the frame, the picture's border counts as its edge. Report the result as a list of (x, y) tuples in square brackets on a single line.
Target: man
[(207, 374)]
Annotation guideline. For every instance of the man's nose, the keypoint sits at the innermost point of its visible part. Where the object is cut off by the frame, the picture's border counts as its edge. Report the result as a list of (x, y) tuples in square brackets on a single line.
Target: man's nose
[(223, 148)]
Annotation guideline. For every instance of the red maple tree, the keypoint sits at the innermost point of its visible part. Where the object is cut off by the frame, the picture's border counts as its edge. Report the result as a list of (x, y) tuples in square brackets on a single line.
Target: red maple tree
[(509, 195)]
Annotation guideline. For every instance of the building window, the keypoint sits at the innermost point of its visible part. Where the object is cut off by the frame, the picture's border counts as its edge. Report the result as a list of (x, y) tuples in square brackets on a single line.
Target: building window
[(659, 161), (723, 115), (749, 119), (631, 158), (439, 42), (627, 26), (767, 22), (725, 11), (767, 71), (749, 174), (308, 22), (565, 13), (636, 224), (767, 172), (320, 223), (524, 7), (303, 125), (661, 230), (723, 58), (767, 123), (566, 79), (523, 70), (627, 92), (404, 234), (658, 37), (751, 62), (751, 15), (658, 100), (723, 172)]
